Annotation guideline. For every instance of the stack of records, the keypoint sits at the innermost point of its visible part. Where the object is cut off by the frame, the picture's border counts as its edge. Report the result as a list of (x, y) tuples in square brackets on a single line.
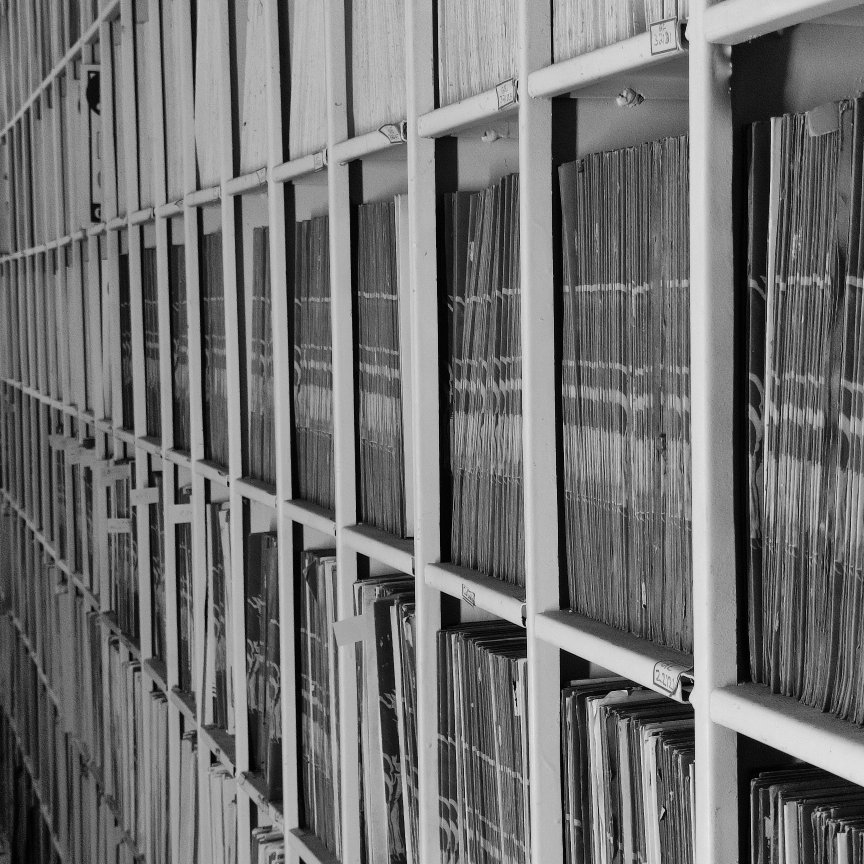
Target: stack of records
[(157, 571), (313, 364), (262, 441), (268, 845), (215, 384), (319, 707), (385, 724), (223, 816), (185, 607), (307, 127), (625, 389), (805, 265), (185, 827), (218, 680), (59, 484), (383, 364), (628, 774), (263, 688), (127, 415), (580, 26), (483, 743), (180, 404), (152, 372), (376, 31), (122, 548), (156, 752), (803, 814), (478, 46), (485, 369), (126, 780)]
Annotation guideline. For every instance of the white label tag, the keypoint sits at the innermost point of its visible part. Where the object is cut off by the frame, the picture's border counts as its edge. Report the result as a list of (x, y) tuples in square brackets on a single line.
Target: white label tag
[(391, 133), (468, 595), (667, 676), (664, 36), (319, 160), (507, 93), (145, 496), (349, 631), (179, 513)]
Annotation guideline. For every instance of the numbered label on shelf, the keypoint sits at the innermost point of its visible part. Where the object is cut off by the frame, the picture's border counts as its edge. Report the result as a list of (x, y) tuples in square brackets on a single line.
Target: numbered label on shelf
[(664, 36), (507, 93), (468, 596), (392, 133), (667, 676)]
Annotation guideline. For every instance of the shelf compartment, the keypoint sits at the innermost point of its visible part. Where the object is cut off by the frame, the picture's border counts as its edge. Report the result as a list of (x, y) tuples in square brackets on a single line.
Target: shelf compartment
[(734, 21), (294, 169), (308, 847), (257, 490), (499, 102), (376, 141), (311, 515), (661, 669), (476, 589), (786, 724), (606, 72), (375, 543)]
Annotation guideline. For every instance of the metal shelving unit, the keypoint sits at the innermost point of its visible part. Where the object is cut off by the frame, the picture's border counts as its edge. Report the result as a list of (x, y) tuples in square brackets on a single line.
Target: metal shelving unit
[(695, 79)]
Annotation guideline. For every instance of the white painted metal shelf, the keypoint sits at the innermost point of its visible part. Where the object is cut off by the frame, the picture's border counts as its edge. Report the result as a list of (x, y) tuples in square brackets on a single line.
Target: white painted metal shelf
[(661, 669), (606, 72), (792, 727), (731, 22)]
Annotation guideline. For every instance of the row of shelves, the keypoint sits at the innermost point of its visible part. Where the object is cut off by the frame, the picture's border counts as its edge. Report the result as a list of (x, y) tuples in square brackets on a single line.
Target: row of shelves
[(723, 708)]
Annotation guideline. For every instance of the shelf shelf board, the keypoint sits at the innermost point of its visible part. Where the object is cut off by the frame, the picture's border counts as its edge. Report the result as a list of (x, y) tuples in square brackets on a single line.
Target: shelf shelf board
[(184, 702), (203, 197), (220, 744), (257, 490), (169, 209), (661, 669), (787, 725), (311, 515), (157, 672), (476, 589), (254, 181), (606, 72), (378, 141), (735, 21), (308, 847), (212, 471), (494, 104), (253, 785), (109, 619), (179, 458), (302, 166), (386, 548), (153, 446)]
